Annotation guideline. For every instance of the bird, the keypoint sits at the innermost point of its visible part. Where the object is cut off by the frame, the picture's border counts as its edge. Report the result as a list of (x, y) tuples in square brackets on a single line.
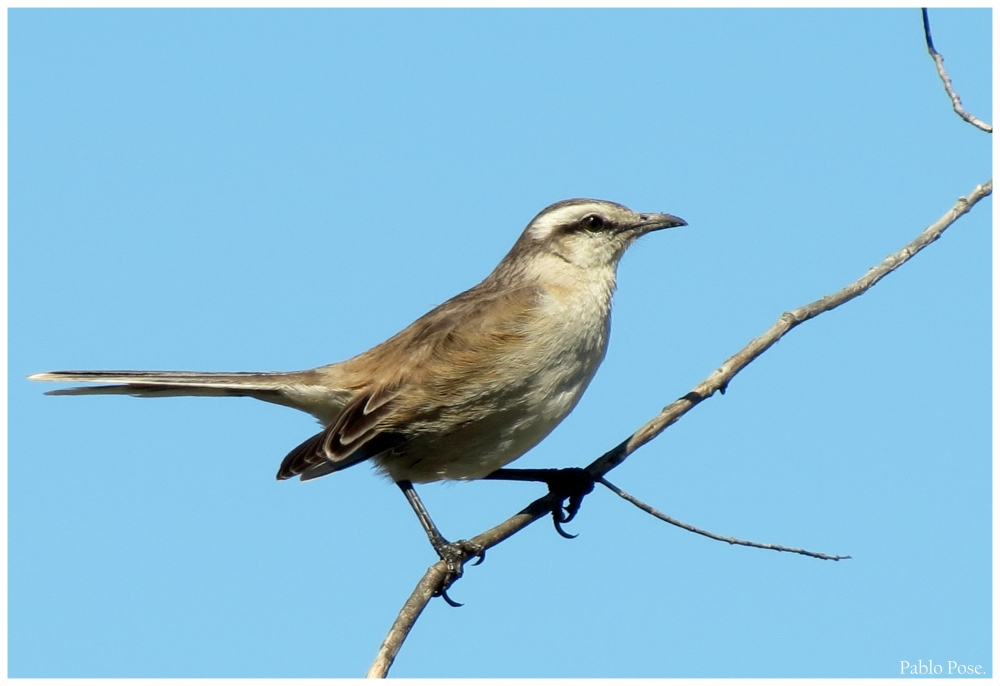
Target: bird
[(465, 389)]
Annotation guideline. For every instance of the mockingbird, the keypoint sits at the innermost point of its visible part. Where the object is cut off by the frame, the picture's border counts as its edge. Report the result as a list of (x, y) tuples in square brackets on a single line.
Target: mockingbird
[(464, 390)]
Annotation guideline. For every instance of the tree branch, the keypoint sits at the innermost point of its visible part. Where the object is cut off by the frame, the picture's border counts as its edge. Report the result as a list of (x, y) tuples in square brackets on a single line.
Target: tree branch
[(435, 574), (407, 617), (720, 378), (725, 539), (717, 381), (956, 102)]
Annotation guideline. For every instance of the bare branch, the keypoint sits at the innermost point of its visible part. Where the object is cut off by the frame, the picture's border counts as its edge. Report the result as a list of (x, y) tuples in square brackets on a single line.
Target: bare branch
[(956, 102), (416, 603), (720, 378), (431, 581), (726, 539), (717, 381)]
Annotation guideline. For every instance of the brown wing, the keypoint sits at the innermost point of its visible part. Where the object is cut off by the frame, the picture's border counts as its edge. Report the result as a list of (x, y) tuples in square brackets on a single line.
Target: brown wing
[(345, 442), (430, 365)]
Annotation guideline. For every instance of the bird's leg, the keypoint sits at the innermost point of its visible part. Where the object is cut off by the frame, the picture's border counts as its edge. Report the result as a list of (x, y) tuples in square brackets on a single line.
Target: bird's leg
[(454, 555), (569, 485)]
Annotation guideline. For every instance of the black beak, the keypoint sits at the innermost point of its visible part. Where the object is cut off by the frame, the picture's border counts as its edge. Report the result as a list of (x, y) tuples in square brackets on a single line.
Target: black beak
[(654, 221)]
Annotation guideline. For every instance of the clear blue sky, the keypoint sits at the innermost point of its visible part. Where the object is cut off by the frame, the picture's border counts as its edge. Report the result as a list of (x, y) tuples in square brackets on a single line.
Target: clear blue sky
[(275, 190)]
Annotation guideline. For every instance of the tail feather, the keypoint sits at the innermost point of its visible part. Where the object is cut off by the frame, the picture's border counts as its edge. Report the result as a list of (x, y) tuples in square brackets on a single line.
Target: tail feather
[(314, 391), (164, 384)]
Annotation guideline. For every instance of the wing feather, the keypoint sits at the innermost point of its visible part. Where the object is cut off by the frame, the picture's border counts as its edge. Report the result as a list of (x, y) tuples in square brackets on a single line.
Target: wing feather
[(352, 438), (429, 368)]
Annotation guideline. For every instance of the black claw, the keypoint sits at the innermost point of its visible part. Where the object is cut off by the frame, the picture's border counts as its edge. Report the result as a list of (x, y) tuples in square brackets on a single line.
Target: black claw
[(575, 501), (569, 485), (561, 515), (453, 574), (454, 556), (560, 531), (444, 596)]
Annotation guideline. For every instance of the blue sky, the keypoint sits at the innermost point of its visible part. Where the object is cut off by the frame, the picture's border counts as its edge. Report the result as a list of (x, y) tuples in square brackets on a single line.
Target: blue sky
[(275, 190)]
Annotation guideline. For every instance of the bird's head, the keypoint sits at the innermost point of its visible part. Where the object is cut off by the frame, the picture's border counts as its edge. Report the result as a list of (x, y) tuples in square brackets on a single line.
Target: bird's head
[(589, 234)]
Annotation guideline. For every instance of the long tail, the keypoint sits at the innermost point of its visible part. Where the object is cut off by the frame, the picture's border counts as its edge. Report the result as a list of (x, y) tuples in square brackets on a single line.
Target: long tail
[(270, 386)]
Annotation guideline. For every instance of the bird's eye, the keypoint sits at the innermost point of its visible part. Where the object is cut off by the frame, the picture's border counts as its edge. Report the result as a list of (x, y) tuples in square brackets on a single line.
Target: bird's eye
[(593, 222)]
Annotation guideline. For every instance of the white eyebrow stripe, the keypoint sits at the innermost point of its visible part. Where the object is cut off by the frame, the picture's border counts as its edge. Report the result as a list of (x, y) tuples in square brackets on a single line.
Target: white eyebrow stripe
[(545, 225)]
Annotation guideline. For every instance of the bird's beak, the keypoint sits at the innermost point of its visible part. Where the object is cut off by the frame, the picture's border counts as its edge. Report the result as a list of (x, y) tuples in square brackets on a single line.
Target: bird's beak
[(654, 221)]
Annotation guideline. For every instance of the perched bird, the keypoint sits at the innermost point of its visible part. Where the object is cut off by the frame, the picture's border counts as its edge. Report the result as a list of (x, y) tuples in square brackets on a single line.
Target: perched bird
[(464, 390)]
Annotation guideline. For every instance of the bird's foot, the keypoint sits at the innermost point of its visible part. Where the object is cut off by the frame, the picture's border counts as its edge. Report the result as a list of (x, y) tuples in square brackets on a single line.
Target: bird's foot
[(568, 486), (455, 555)]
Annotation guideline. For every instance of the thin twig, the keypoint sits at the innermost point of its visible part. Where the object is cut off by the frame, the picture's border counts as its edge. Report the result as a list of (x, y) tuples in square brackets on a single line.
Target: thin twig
[(725, 539), (956, 102), (717, 381), (720, 378)]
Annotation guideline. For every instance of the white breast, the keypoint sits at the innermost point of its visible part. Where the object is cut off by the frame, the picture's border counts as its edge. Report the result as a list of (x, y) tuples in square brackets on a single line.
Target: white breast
[(566, 352), (550, 370)]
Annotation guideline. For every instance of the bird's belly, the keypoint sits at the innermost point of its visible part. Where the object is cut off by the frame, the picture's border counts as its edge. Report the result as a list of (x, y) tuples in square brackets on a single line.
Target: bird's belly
[(505, 426)]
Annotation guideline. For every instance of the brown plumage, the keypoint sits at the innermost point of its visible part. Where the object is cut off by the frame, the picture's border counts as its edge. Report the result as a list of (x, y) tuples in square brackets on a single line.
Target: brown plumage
[(468, 387)]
